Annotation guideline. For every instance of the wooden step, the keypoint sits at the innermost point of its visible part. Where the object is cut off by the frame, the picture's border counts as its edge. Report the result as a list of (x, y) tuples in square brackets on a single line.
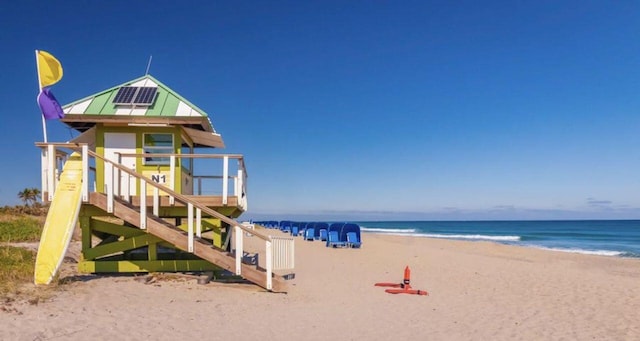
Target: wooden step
[(178, 238)]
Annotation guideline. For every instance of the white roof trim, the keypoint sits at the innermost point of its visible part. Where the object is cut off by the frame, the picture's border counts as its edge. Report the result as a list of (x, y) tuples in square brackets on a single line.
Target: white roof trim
[(138, 112), (78, 108), (123, 111), (145, 82), (184, 109)]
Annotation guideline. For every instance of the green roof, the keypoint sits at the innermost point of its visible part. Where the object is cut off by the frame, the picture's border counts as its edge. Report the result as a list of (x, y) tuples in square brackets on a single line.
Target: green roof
[(168, 104)]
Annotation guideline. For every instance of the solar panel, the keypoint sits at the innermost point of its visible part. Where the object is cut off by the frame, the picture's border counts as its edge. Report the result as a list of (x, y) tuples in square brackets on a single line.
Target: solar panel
[(125, 95), (145, 95), (135, 95)]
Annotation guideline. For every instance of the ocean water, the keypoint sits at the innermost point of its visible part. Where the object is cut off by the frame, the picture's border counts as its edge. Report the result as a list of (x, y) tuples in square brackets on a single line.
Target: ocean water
[(600, 237)]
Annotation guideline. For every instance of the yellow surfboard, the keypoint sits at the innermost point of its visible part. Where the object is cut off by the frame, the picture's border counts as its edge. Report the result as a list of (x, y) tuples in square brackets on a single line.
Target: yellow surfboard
[(61, 220)]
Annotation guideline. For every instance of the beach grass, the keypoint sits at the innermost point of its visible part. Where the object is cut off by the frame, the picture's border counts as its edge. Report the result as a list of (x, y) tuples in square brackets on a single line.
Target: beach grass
[(17, 263), (16, 268), (16, 279), (20, 229)]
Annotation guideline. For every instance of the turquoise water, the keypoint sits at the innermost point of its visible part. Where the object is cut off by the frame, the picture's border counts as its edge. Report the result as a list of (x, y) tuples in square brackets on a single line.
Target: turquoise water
[(602, 237)]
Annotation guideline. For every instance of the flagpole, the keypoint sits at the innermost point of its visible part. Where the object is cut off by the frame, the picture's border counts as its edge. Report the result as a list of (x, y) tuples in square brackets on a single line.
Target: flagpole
[(146, 72), (44, 122)]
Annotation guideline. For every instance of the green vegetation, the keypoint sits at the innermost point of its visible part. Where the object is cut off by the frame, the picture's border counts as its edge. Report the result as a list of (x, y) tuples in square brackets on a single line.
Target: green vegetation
[(37, 209), (16, 268), (20, 229), (29, 196), (20, 224)]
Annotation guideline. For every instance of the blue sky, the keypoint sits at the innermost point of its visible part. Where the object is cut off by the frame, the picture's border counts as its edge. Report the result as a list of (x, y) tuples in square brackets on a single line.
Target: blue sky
[(365, 110)]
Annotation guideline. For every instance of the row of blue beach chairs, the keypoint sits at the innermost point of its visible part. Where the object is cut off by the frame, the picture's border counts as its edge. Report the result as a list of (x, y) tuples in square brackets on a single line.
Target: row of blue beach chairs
[(333, 234)]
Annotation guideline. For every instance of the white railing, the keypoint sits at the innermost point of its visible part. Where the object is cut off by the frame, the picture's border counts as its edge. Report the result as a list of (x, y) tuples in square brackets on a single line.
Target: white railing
[(52, 167), (52, 161), (194, 209), (239, 188), (284, 252)]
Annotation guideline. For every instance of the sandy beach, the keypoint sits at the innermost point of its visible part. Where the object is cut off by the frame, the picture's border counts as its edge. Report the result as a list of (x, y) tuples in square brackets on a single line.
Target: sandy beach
[(477, 291)]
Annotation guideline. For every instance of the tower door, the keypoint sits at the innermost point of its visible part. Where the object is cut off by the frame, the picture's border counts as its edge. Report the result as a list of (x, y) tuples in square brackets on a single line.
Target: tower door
[(115, 144)]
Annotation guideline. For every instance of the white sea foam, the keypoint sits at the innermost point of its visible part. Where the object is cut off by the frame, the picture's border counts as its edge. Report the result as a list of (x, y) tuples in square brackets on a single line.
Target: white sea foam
[(474, 236), (411, 233), (586, 252), (387, 231)]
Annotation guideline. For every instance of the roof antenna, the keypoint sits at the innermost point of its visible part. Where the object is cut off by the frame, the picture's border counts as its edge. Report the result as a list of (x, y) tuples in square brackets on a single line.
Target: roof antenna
[(148, 65)]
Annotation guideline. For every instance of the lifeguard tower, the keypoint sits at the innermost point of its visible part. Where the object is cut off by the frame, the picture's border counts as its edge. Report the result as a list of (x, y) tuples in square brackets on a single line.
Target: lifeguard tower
[(154, 197)]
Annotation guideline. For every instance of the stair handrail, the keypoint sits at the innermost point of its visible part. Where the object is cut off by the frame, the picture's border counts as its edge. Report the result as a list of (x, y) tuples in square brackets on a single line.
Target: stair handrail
[(184, 199), (203, 208)]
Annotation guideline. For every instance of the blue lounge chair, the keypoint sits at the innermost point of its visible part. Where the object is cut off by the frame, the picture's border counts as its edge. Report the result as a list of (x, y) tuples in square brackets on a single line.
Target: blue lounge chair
[(353, 240), (308, 234), (320, 231), (306, 227), (294, 230), (323, 234), (285, 226), (354, 231), (333, 240), (337, 227)]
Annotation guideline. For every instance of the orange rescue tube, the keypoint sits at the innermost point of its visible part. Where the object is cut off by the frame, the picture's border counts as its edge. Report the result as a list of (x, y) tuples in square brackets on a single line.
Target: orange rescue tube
[(404, 287), (407, 276)]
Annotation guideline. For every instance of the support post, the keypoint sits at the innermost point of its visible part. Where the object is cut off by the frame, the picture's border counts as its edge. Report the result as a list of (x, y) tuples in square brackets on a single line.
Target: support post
[(225, 180), (153, 251), (51, 171), (269, 264), (198, 223), (190, 226), (239, 250), (43, 173), (85, 226), (85, 173), (116, 177), (143, 204), (110, 174), (156, 201), (240, 190), (172, 172)]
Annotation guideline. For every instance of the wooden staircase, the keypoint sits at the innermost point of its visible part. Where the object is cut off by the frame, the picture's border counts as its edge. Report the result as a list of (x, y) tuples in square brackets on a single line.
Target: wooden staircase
[(177, 237)]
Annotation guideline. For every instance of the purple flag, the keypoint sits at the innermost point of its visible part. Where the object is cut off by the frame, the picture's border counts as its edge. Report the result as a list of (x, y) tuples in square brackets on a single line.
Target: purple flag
[(49, 105)]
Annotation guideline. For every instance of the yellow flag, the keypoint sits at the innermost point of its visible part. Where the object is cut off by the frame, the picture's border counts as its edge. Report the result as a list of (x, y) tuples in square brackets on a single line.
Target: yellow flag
[(49, 69)]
